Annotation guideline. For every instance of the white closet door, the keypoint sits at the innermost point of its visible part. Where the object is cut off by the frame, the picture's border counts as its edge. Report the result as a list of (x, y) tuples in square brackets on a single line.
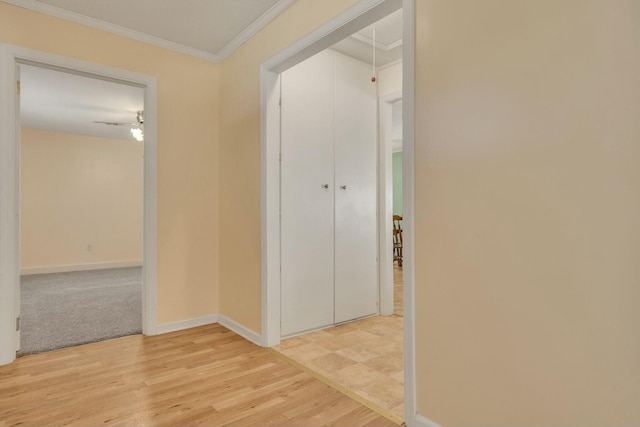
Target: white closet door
[(356, 267), (307, 195)]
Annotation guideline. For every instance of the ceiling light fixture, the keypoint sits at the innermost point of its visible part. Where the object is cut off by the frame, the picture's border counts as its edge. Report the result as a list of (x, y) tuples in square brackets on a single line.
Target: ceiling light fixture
[(136, 130), (137, 134)]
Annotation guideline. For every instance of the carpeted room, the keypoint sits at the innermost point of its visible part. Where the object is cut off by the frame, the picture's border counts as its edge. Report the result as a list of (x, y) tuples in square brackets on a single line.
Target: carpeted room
[(81, 210), (66, 309)]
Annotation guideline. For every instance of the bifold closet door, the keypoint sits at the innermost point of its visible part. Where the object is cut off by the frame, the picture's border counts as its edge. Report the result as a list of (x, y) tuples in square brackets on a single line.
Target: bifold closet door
[(356, 242), (307, 195)]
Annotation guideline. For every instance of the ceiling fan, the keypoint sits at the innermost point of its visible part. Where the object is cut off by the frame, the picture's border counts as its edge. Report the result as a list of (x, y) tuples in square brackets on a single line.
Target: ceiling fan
[(136, 128), (115, 123), (139, 119)]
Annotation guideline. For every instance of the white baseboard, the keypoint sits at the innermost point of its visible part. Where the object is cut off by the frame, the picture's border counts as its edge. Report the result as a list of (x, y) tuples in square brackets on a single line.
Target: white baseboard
[(421, 421), (187, 324), (46, 269), (239, 329)]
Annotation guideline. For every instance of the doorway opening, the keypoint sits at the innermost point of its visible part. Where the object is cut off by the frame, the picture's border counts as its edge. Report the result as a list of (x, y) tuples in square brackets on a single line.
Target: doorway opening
[(342, 351), (332, 322), (12, 58), (395, 141), (81, 198)]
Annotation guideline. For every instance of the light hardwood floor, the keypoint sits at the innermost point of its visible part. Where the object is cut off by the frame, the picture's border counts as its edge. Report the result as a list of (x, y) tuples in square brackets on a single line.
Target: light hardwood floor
[(201, 376)]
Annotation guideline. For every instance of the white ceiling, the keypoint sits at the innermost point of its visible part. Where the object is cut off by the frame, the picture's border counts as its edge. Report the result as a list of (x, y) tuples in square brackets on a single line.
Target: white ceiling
[(207, 25), (62, 102), (209, 29)]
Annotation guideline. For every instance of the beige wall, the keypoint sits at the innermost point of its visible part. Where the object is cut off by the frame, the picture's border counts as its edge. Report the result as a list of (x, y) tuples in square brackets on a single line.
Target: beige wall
[(240, 149), (75, 191), (528, 212), (527, 199), (187, 149)]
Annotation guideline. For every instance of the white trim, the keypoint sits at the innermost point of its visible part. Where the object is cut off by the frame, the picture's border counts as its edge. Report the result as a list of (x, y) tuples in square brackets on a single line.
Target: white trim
[(112, 28), (421, 421), (150, 210), (395, 44), (380, 46), (239, 329), (368, 41), (9, 229), (408, 215), (270, 203), (253, 28), (181, 325), (9, 172), (392, 97), (46, 269)]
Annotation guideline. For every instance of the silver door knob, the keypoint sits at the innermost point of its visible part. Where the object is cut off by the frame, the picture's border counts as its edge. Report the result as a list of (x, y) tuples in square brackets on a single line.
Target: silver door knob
[(343, 187), (325, 186)]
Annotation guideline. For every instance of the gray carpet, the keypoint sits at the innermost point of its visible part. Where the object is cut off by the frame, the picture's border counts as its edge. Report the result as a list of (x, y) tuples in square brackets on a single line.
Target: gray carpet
[(66, 309)]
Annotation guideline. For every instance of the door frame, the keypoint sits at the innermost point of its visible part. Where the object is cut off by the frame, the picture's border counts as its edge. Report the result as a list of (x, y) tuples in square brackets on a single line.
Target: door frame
[(353, 19), (385, 194), (10, 57)]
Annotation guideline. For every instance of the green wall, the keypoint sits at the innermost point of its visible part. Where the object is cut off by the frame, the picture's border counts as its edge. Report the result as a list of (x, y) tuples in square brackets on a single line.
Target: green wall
[(397, 183)]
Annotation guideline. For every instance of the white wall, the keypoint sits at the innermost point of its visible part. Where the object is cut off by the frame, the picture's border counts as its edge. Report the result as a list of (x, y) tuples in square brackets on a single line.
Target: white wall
[(390, 80)]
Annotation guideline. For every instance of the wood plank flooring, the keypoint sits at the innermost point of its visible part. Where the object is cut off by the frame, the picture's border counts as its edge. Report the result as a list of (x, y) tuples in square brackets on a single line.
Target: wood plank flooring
[(201, 376)]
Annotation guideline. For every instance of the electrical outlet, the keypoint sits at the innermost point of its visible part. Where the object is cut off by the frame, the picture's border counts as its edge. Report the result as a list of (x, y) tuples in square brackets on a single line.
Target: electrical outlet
[(89, 248)]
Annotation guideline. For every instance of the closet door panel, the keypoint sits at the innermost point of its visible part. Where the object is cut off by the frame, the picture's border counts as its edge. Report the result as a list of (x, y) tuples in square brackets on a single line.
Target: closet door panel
[(356, 267), (307, 207)]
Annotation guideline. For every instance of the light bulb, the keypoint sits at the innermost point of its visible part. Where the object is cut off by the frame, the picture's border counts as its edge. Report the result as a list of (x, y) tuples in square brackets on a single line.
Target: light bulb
[(137, 134)]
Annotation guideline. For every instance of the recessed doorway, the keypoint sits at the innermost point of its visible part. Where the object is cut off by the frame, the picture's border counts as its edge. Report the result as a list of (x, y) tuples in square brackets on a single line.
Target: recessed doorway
[(11, 58), (321, 344), (81, 209)]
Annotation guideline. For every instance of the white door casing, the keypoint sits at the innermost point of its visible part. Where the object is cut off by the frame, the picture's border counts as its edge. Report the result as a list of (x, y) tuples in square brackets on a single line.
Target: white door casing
[(385, 193), (10, 57), (18, 138)]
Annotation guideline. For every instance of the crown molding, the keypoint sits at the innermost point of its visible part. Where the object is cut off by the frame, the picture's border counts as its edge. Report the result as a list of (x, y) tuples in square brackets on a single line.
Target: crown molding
[(227, 50), (389, 64), (253, 28), (394, 45), (381, 46), (367, 40), (111, 28)]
